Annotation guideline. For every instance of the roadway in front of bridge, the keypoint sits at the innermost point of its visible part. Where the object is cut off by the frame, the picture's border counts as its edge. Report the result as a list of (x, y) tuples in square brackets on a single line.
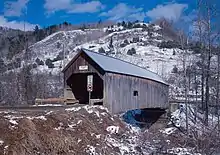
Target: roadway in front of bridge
[(35, 108)]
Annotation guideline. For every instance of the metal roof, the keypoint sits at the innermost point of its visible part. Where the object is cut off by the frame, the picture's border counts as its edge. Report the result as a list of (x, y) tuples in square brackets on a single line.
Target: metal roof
[(111, 64)]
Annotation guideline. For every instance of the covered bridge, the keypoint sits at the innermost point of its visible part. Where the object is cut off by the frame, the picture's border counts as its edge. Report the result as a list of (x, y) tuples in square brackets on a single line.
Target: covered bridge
[(118, 85)]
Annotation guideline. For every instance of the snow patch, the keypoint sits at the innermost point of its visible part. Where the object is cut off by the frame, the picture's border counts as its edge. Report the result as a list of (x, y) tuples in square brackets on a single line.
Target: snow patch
[(7, 112), (5, 149), (38, 117), (104, 113), (48, 105), (89, 109), (48, 113), (103, 108), (168, 131), (91, 150), (97, 113), (13, 122), (124, 150), (80, 121), (13, 117), (74, 109), (1, 142), (113, 129), (69, 125), (59, 127), (98, 136), (134, 130), (181, 151)]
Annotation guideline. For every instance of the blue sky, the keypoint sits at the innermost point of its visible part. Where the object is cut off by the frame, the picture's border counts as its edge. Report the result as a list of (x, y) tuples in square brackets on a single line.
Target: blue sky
[(47, 12)]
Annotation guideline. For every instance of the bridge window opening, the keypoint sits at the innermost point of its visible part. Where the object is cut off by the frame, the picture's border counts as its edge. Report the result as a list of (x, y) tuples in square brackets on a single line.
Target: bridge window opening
[(135, 93), (78, 85)]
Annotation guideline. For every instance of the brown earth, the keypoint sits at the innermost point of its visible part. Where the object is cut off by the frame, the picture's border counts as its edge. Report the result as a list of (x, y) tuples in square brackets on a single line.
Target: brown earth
[(61, 132), (87, 130)]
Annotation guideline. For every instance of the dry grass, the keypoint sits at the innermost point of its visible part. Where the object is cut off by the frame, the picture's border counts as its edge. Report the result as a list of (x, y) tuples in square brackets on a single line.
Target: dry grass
[(61, 133)]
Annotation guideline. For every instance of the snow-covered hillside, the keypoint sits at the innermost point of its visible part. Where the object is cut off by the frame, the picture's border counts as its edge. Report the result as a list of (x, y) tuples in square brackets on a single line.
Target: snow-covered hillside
[(117, 44)]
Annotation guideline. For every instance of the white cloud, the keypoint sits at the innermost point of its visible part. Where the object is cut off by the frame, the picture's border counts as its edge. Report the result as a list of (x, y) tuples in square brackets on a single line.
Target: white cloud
[(69, 6), (124, 12), (169, 11), (89, 7), (16, 25), (53, 6), (14, 8)]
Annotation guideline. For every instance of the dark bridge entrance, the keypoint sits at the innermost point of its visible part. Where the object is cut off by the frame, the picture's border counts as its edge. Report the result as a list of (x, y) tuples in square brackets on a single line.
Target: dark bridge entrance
[(78, 84)]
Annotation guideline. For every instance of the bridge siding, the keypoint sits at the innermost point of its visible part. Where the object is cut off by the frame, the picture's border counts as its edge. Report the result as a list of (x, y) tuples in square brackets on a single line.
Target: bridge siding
[(118, 93)]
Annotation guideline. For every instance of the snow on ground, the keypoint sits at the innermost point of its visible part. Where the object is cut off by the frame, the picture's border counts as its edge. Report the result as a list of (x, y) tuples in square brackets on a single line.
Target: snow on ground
[(89, 109), (113, 129), (48, 105), (1, 142), (94, 130), (169, 130), (74, 109), (13, 122), (181, 151), (48, 113), (123, 147), (11, 116), (5, 149), (52, 71), (114, 28), (8, 111), (38, 117), (195, 120), (90, 150)]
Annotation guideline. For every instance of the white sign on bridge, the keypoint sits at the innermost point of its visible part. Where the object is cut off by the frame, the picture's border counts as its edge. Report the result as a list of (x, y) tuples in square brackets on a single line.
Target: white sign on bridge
[(90, 83), (83, 68)]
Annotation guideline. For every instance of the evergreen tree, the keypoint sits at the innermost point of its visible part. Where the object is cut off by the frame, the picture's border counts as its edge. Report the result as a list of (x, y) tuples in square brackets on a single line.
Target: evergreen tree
[(36, 33), (36, 29), (123, 24), (130, 25), (101, 50), (111, 44), (65, 23)]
